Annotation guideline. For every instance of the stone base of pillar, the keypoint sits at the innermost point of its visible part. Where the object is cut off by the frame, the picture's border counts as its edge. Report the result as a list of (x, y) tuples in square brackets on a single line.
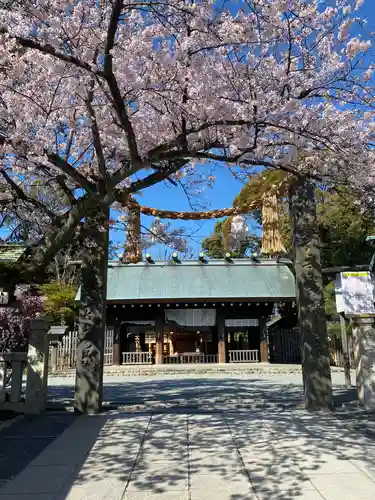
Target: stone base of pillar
[(364, 342)]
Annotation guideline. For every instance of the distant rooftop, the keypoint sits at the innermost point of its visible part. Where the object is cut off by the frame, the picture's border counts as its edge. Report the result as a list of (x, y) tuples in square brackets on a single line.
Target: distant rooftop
[(194, 280), (11, 253)]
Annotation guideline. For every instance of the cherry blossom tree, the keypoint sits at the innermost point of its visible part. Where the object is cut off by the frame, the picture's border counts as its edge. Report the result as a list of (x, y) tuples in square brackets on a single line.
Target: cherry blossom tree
[(102, 99)]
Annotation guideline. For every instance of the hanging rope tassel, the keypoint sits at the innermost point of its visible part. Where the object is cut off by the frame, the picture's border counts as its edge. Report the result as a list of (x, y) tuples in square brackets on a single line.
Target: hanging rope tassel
[(271, 238), (133, 247)]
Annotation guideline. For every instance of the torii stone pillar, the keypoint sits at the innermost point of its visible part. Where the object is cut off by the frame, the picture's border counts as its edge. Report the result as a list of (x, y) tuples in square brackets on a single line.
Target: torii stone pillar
[(316, 369), (364, 344)]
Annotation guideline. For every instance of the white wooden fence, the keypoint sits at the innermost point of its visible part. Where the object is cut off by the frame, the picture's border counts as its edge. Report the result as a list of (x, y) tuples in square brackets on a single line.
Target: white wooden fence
[(12, 366), (136, 358), (243, 356), (63, 355), (190, 358)]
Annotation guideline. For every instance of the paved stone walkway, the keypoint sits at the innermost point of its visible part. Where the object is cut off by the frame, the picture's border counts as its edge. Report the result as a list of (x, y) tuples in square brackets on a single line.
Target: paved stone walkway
[(192, 438), (191, 455)]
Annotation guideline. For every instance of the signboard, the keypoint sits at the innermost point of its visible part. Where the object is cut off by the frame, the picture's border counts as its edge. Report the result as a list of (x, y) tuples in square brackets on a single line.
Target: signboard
[(355, 293)]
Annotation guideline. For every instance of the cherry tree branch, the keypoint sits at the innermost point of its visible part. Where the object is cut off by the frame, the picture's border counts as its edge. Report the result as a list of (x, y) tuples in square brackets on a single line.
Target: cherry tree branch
[(61, 234), (96, 133), (46, 48), (160, 175), (71, 172), (22, 195), (118, 101)]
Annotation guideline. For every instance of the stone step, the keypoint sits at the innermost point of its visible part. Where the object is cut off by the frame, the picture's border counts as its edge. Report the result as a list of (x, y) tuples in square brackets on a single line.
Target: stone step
[(195, 369)]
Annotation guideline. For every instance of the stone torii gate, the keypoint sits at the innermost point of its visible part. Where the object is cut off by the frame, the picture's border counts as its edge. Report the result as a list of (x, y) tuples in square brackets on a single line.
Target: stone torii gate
[(309, 288), (300, 190)]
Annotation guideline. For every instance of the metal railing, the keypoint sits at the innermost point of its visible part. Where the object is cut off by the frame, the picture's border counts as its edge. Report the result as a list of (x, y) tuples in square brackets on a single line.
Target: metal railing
[(12, 366), (190, 358), (244, 356), (136, 358)]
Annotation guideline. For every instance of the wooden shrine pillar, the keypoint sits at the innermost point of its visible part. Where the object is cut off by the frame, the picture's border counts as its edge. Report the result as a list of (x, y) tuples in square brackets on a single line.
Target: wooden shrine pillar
[(263, 341), (117, 343), (159, 345), (222, 351)]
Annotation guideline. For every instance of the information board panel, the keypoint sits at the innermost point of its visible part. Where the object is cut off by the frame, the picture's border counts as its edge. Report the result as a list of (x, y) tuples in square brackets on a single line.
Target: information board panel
[(355, 293)]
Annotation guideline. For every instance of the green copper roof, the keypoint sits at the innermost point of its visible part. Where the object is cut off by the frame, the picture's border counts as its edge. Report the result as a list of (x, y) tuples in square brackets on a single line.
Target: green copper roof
[(217, 279), (11, 253)]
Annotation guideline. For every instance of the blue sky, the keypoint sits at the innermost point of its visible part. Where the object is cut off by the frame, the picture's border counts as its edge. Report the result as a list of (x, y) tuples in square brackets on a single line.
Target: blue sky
[(168, 197)]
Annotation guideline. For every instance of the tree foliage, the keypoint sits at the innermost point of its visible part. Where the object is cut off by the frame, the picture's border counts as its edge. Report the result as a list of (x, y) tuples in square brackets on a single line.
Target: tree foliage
[(215, 248), (15, 319), (59, 303), (343, 227), (343, 222)]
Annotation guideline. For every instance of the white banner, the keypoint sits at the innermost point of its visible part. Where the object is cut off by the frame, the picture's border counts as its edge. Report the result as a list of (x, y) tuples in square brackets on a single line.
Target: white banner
[(192, 317), (245, 323)]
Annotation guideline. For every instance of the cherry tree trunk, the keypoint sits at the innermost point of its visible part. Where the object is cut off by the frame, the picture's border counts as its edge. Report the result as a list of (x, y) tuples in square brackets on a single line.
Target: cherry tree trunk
[(92, 314), (316, 368)]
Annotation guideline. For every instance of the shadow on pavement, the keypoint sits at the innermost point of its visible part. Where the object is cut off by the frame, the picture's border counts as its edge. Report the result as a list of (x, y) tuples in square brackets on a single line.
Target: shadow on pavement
[(23, 440), (203, 439), (194, 392)]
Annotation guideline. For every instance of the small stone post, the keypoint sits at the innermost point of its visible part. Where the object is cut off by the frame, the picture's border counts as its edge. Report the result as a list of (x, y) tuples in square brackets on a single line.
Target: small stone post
[(53, 358), (37, 368), (364, 344), (345, 351)]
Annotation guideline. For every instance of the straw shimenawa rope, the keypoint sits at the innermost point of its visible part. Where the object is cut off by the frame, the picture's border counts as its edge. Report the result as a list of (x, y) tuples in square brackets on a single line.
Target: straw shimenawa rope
[(133, 248), (271, 239)]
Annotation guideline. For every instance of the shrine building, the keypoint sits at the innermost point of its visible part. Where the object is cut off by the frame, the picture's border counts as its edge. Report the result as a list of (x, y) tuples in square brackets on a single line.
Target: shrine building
[(203, 311)]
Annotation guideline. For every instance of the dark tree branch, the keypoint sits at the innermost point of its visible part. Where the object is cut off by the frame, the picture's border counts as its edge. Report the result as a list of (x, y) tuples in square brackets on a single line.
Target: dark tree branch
[(61, 234), (49, 49), (96, 134), (160, 175), (118, 101), (71, 172), (23, 196)]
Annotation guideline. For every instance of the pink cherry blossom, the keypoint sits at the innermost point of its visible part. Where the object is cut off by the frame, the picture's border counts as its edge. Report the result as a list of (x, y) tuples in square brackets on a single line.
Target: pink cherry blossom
[(97, 97)]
